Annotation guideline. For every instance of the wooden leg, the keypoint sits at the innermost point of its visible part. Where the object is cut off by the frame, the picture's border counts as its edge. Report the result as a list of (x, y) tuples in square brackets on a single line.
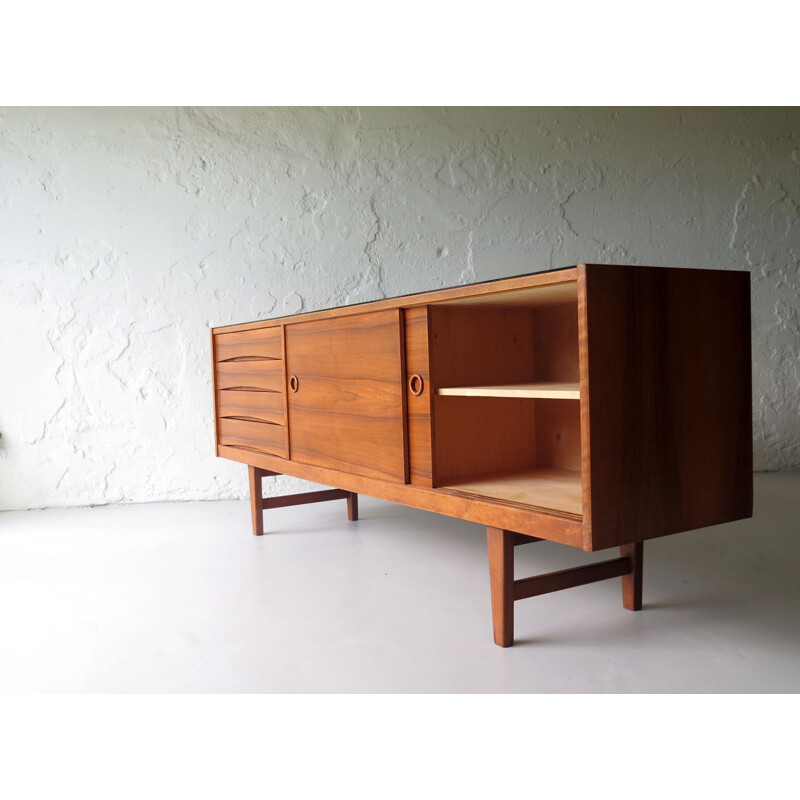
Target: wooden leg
[(352, 506), (632, 583), (258, 503), (256, 500), (501, 576)]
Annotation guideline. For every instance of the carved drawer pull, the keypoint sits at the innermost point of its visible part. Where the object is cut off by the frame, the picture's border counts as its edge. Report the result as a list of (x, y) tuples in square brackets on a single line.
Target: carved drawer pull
[(416, 385), (294, 384)]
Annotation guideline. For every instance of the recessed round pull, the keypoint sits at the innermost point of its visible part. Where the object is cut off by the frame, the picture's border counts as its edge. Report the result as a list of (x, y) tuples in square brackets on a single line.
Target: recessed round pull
[(294, 384), (416, 384)]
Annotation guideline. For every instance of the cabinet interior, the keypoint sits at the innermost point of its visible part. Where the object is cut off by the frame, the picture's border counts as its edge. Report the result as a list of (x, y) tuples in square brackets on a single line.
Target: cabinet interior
[(506, 397)]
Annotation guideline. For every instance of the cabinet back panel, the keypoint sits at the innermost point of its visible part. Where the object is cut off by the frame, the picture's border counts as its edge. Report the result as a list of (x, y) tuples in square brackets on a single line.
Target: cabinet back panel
[(477, 435), (558, 434), (474, 346), (555, 343)]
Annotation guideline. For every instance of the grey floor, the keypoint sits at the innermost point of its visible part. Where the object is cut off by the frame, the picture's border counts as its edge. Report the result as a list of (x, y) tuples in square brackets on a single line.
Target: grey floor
[(182, 598)]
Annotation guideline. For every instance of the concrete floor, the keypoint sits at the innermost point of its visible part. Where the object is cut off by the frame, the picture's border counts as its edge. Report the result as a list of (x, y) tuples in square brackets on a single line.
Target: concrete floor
[(182, 598)]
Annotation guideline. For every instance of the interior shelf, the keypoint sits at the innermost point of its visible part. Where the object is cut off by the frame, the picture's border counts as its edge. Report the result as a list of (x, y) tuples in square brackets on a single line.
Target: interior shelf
[(553, 391), (557, 489)]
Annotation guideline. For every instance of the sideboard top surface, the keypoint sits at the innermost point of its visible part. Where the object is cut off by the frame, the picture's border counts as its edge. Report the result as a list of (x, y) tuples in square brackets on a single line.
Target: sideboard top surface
[(562, 275), (480, 291)]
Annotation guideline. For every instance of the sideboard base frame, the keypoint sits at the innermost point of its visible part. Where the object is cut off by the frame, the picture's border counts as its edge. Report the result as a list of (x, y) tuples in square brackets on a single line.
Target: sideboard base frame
[(259, 503), (505, 590)]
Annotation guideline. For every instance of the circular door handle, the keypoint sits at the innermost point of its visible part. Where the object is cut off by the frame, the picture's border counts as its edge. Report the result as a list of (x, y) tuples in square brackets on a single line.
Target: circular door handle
[(416, 384), (294, 384)]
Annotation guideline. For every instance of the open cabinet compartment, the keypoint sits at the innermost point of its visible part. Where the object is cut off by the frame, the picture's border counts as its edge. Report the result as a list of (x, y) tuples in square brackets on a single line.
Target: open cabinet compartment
[(506, 407)]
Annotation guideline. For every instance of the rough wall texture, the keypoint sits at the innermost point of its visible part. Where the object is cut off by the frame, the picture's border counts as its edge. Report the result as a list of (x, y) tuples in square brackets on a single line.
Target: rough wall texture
[(126, 233)]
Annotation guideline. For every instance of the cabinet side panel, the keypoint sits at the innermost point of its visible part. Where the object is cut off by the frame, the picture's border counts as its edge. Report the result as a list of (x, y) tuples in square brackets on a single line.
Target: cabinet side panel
[(420, 435), (670, 409)]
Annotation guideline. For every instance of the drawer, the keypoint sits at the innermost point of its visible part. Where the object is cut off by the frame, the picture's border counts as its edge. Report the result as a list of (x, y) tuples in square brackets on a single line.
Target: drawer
[(266, 374), (263, 436), (260, 343), (257, 405)]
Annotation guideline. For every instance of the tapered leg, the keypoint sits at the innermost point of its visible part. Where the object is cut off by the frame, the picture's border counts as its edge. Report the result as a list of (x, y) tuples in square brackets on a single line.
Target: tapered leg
[(256, 499), (632, 583), (501, 577), (352, 506)]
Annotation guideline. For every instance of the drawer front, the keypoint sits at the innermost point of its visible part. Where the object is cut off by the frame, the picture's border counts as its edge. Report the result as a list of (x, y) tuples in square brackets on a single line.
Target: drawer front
[(249, 390), (262, 436), (267, 374), (260, 406), (261, 343)]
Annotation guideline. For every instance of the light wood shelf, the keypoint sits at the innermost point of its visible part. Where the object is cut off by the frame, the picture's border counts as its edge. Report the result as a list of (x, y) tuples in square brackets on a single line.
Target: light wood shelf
[(557, 489), (557, 391)]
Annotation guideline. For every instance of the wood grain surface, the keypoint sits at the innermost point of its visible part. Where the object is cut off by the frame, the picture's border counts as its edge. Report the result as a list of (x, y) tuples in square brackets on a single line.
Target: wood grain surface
[(501, 581), (262, 436), (420, 429), (259, 374), (349, 410), (474, 347), (261, 406), (556, 489), (665, 400), (261, 342)]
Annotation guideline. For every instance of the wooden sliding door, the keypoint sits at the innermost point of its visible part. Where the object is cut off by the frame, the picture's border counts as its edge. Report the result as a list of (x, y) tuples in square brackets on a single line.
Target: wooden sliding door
[(346, 394)]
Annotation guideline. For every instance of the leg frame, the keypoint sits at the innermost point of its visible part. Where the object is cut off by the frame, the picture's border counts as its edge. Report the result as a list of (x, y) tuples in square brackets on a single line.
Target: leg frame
[(258, 503), (505, 590)]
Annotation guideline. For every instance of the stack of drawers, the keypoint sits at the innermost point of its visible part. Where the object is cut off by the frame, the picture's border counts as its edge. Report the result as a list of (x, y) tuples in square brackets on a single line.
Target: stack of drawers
[(250, 379)]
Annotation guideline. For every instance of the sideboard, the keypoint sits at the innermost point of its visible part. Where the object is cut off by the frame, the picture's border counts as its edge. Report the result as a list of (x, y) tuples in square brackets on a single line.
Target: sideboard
[(597, 406)]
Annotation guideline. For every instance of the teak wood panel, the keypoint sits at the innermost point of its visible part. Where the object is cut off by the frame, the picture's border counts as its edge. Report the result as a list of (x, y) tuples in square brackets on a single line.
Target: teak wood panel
[(260, 374), (263, 436), (348, 412), (478, 346), (665, 400), (263, 406), (420, 433), (262, 342), (555, 343), (558, 434)]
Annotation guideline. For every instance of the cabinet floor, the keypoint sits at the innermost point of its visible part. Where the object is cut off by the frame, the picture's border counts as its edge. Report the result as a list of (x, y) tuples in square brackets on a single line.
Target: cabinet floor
[(180, 597)]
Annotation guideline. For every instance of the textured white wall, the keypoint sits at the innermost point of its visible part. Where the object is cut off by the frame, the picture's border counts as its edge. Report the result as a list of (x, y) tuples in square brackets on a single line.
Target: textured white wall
[(126, 233)]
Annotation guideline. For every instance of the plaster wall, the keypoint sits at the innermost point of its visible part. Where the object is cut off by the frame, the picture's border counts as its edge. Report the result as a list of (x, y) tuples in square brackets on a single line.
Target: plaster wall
[(126, 233)]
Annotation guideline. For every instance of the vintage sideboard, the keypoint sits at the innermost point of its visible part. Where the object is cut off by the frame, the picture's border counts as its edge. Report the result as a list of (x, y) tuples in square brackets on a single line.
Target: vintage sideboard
[(597, 406)]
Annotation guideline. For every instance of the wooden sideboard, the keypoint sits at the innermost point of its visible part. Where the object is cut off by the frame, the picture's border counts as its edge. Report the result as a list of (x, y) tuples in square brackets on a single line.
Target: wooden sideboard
[(595, 406)]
